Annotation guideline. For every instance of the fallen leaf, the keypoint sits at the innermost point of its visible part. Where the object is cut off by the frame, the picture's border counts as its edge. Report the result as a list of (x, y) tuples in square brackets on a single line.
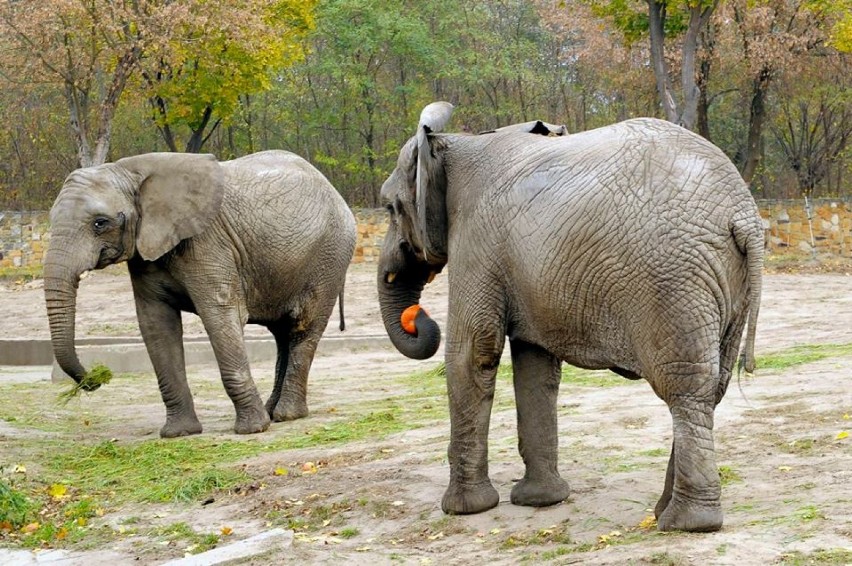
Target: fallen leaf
[(61, 533), (81, 521), (326, 523), (5, 526), (309, 468), (363, 549), (20, 469), (281, 471), (648, 522), (846, 417), (436, 536), (398, 503), (227, 531), (494, 531), (387, 450), (31, 528), (784, 468), (841, 435), (57, 491)]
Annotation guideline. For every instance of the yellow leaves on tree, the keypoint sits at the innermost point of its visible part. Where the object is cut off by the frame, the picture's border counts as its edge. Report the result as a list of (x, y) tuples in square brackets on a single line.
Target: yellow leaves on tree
[(221, 51)]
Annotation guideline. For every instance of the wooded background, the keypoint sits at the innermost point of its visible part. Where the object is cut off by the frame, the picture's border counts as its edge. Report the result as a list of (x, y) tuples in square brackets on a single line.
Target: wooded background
[(342, 82)]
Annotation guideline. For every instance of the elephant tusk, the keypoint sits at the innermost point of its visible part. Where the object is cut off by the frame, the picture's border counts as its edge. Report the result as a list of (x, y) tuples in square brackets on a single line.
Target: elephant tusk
[(390, 277), (431, 277)]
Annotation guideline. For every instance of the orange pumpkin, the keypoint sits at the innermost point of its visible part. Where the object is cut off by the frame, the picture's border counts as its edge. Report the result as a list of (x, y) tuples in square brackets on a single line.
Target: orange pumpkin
[(408, 316)]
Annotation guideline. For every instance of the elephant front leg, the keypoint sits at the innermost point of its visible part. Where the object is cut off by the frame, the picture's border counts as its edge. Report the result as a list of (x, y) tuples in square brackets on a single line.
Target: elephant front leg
[(691, 497), (162, 331), (471, 374), (536, 379), (224, 328)]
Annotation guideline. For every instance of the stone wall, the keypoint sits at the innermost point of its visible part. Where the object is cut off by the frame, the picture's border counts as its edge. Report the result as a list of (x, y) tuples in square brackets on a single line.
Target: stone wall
[(24, 235), (23, 238), (788, 229)]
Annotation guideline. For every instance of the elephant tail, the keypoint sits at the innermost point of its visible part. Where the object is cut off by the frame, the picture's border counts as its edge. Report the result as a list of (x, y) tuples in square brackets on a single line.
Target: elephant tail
[(340, 302), (749, 237)]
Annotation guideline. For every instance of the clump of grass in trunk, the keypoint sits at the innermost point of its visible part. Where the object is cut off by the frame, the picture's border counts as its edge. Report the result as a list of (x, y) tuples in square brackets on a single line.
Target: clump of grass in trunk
[(94, 378)]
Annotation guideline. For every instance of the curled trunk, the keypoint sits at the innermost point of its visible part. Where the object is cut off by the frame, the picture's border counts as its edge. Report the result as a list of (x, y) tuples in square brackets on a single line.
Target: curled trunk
[(399, 290)]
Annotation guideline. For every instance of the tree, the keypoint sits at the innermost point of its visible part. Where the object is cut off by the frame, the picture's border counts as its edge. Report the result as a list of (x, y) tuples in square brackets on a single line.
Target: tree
[(815, 123), (664, 20), (219, 51), (89, 48)]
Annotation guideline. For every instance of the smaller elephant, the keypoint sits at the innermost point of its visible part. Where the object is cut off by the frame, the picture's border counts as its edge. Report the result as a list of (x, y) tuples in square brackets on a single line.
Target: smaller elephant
[(263, 239), (636, 248)]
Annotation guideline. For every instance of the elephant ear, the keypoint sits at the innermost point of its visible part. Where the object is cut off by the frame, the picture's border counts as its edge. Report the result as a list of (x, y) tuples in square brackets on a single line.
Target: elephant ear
[(535, 127), (430, 193), (178, 197)]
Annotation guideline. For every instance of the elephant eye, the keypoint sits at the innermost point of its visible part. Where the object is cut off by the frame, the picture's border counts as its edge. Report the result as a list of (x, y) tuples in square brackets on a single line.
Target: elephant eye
[(100, 223)]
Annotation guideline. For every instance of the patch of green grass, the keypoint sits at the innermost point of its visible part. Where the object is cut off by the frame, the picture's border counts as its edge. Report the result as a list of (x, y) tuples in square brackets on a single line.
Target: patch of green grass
[(181, 532), (556, 534), (16, 509), (654, 452), (798, 355), (802, 446), (22, 274), (728, 475), (809, 513), (666, 559), (828, 557), (153, 471), (593, 378), (348, 532)]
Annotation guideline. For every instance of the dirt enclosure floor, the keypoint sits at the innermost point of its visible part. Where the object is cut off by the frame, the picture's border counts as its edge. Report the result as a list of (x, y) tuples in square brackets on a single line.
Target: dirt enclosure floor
[(374, 498)]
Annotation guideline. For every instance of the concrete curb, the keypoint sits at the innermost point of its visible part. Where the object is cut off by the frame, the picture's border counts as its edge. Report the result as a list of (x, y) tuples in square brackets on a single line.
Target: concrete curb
[(128, 354)]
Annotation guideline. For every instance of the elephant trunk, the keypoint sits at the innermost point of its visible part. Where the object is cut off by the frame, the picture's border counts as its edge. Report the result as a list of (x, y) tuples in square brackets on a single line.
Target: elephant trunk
[(60, 293), (399, 290)]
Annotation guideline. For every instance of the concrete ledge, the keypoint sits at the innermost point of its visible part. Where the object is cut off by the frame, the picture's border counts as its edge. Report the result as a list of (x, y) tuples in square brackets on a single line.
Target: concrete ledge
[(130, 355)]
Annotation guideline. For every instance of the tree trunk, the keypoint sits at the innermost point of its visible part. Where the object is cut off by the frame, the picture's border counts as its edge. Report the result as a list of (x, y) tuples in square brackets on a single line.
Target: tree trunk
[(656, 23), (757, 112)]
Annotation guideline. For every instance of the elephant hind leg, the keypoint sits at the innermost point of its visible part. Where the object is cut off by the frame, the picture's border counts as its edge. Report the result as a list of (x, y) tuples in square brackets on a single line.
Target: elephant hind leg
[(691, 497), (296, 350), (536, 379), (281, 332)]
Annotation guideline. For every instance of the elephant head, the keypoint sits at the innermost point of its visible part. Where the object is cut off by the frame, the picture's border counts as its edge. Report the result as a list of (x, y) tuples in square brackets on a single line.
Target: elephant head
[(138, 206), (415, 247)]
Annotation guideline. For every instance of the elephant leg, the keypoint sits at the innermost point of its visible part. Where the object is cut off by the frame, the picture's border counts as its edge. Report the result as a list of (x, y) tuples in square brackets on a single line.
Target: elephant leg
[(224, 328), (472, 364), (281, 334), (694, 501), (292, 400), (663, 502), (536, 378), (162, 331)]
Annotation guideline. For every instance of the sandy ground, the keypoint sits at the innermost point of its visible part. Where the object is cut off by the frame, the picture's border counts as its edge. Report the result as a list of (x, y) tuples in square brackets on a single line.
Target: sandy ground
[(776, 434)]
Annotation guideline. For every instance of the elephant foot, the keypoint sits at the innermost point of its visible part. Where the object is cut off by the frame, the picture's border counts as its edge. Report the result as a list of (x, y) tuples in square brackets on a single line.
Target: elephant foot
[(289, 410), (252, 420), (662, 503), (465, 499), (540, 492), (180, 426), (684, 514)]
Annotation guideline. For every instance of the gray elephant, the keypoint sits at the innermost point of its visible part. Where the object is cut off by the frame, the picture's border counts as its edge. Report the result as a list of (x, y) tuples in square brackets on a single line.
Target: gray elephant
[(635, 247), (263, 239)]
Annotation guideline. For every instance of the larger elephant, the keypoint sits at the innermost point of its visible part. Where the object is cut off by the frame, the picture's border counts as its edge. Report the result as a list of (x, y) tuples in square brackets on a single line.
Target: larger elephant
[(263, 239), (635, 247)]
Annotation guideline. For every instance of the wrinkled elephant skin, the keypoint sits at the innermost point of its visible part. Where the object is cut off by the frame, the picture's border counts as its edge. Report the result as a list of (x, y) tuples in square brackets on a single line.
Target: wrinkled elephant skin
[(635, 247), (263, 239)]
